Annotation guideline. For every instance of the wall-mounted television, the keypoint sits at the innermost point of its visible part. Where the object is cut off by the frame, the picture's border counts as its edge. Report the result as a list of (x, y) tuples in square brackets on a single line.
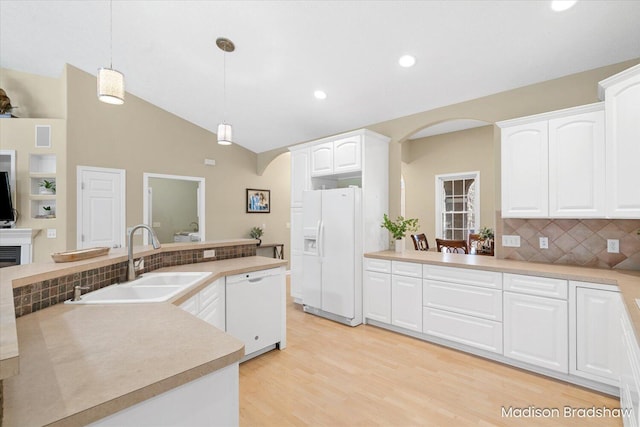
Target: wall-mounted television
[(7, 213)]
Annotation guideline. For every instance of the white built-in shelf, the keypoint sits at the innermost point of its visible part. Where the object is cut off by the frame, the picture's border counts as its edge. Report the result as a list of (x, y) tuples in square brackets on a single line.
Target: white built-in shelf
[(42, 163), (41, 167)]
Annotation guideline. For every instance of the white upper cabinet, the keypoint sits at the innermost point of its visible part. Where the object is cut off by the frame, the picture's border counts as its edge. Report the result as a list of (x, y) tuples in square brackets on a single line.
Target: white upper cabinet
[(576, 166), (590, 160), (553, 164), (622, 106), (337, 157), (525, 171), (299, 175), (347, 155), (322, 159)]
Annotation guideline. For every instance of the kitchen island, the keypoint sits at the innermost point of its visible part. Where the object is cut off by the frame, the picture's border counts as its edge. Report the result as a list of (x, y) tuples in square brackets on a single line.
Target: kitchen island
[(80, 364)]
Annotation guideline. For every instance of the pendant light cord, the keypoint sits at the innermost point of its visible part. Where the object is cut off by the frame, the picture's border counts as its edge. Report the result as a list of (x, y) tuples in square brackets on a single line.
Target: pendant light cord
[(224, 86), (111, 34)]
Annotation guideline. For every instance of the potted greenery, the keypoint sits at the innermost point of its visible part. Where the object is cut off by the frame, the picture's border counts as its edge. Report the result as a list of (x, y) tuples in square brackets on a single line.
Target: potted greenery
[(48, 212), (47, 187), (487, 235), (399, 228), (256, 233)]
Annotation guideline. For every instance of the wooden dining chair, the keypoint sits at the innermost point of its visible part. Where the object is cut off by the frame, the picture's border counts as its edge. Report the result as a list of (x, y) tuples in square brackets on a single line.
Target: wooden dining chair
[(420, 242), (452, 246)]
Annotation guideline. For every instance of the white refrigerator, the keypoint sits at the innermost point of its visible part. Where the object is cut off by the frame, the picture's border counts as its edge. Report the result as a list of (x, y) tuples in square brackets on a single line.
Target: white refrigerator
[(332, 254)]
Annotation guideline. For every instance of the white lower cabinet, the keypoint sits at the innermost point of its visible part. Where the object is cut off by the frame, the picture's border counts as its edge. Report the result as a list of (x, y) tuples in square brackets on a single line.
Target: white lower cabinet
[(377, 296), (406, 306), (566, 329), (536, 331), (629, 373), (212, 399), (595, 331), (393, 293), (209, 304)]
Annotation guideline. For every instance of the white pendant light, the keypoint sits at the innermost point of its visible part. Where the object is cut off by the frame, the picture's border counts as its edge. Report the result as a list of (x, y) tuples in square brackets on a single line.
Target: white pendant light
[(110, 81), (225, 132), (110, 86)]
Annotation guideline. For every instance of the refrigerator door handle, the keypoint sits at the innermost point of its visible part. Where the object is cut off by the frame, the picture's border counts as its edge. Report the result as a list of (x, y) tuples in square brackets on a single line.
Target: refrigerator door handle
[(321, 239), (318, 237)]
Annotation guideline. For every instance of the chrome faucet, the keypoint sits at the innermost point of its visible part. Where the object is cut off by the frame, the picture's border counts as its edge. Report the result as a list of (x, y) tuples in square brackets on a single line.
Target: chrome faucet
[(131, 269), (77, 292)]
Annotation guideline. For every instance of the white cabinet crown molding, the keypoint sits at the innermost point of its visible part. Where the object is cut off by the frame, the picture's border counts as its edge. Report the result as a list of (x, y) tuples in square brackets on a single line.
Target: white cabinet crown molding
[(597, 106), (363, 132), (615, 79)]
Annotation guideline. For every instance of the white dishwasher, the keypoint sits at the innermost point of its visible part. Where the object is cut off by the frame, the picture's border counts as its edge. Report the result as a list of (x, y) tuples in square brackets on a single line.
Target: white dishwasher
[(255, 310)]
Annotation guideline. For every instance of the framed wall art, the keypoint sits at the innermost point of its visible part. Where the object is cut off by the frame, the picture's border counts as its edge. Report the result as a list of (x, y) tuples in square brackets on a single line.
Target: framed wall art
[(258, 201)]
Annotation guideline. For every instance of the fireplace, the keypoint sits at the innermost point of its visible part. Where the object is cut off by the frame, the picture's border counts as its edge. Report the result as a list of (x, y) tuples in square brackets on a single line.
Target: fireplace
[(16, 246), (9, 255)]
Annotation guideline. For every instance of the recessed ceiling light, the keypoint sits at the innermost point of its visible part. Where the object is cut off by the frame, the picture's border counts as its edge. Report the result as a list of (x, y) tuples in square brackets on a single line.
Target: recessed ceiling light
[(319, 94), (562, 5), (407, 61)]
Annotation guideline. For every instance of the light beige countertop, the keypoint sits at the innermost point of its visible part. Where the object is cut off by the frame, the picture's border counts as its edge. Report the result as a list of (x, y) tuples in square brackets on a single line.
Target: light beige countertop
[(20, 275), (79, 363), (627, 281)]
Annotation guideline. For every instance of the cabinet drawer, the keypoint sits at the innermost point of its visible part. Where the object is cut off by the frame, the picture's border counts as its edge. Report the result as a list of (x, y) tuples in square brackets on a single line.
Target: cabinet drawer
[(534, 285), (470, 300), (379, 265), (472, 331), (211, 293), (463, 276), (410, 269)]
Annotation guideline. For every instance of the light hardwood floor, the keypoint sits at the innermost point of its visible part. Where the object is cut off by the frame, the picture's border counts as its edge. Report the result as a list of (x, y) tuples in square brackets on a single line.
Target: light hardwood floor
[(335, 375)]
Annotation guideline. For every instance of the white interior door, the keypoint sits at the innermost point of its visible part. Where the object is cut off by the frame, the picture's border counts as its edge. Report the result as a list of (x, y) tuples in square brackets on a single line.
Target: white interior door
[(101, 207)]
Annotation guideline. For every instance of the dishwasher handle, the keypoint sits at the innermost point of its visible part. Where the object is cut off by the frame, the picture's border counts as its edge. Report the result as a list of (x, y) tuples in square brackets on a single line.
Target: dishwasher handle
[(253, 276), (256, 280)]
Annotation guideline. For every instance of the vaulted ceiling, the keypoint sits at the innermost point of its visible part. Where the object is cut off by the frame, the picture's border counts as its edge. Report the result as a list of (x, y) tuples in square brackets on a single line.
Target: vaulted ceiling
[(285, 50)]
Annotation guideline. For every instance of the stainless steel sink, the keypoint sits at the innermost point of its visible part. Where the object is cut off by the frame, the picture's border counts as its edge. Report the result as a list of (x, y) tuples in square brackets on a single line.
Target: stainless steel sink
[(151, 287)]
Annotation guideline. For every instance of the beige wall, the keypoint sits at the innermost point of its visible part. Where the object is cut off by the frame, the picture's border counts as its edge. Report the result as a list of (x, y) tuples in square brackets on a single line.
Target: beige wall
[(139, 138), (35, 96), (457, 152), (19, 135)]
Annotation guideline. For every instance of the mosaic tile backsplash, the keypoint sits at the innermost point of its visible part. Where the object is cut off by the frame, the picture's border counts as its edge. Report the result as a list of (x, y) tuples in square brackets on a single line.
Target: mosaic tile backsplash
[(580, 242), (36, 296)]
